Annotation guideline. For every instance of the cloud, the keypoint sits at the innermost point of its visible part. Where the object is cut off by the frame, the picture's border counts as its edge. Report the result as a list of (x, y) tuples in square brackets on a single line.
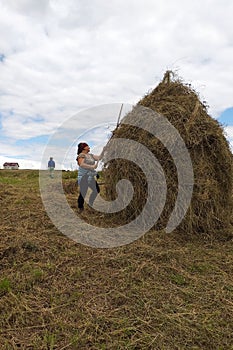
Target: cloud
[(58, 58), (229, 133), (63, 142), (28, 7)]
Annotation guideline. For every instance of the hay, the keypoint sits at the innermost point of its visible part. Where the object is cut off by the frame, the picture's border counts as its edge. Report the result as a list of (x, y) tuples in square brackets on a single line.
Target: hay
[(210, 211)]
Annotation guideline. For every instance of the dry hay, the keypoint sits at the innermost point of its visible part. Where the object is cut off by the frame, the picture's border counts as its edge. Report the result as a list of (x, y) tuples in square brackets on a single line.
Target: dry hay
[(210, 211), (70, 187), (159, 292)]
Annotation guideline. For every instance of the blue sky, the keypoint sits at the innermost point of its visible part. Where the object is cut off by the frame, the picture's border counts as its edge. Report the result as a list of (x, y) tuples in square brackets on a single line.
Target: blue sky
[(59, 58), (226, 117)]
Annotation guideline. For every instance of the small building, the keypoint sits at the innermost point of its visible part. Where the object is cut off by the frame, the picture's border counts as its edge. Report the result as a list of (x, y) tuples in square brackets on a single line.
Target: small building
[(12, 166)]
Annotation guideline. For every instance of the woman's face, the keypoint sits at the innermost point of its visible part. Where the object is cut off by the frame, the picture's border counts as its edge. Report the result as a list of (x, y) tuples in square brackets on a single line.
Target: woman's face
[(87, 148)]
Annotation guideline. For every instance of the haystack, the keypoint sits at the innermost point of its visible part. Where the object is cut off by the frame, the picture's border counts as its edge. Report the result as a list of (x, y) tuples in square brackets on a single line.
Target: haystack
[(211, 207)]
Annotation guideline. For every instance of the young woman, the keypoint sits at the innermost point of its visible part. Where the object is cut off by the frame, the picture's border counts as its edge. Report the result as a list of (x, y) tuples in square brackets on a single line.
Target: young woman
[(87, 162)]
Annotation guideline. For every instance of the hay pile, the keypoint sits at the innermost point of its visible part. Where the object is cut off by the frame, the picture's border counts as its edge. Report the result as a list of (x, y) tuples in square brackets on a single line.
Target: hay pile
[(210, 211)]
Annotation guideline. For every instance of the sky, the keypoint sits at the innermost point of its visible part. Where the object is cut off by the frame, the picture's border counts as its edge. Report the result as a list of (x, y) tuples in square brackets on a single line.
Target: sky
[(60, 59)]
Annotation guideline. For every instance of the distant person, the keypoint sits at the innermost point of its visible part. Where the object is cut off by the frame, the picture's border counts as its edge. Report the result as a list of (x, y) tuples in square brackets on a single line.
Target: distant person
[(51, 167), (88, 163)]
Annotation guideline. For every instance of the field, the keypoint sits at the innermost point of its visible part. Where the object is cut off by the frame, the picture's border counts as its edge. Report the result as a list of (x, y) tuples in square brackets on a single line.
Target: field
[(160, 292)]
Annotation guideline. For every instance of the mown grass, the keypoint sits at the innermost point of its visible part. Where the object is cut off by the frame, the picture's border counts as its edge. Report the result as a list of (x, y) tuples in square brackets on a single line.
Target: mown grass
[(160, 292)]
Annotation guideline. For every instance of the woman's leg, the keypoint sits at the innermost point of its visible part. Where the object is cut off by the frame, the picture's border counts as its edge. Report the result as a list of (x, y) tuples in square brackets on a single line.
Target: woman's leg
[(95, 190), (82, 191)]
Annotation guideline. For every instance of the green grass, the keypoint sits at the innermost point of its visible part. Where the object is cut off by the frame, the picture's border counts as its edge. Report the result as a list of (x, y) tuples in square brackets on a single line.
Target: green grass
[(5, 285)]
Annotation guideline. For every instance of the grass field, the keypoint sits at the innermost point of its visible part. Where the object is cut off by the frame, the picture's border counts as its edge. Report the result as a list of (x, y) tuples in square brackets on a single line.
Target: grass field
[(160, 292)]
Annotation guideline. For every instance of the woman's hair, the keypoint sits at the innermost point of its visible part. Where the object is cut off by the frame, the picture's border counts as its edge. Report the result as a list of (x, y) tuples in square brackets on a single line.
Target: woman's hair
[(81, 146)]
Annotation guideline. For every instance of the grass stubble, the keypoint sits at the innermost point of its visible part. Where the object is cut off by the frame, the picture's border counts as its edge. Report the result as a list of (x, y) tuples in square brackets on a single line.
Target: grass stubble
[(160, 292)]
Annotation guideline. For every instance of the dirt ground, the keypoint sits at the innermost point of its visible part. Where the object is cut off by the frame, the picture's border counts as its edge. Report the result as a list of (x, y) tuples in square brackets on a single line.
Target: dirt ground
[(159, 292)]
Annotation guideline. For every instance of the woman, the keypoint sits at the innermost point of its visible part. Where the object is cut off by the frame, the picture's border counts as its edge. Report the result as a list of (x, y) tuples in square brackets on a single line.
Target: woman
[(87, 162)]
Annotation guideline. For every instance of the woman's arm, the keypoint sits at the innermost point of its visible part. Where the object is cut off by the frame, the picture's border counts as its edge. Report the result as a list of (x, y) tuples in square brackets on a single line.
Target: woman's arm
[(96, 157), (100, 156)]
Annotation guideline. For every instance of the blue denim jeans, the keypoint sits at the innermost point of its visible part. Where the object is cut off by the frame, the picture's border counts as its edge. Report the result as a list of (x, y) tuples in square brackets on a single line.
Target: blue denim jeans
[(85, 182)]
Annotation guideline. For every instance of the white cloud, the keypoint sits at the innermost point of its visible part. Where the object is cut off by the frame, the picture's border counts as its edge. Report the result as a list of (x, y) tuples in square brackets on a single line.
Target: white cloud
[(229, 133), (62, 57)]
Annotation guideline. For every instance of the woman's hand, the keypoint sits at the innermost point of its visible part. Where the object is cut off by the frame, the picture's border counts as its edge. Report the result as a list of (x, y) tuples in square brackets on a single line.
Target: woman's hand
[(95, 166)]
